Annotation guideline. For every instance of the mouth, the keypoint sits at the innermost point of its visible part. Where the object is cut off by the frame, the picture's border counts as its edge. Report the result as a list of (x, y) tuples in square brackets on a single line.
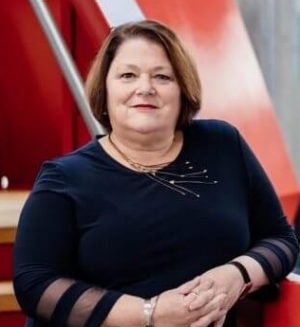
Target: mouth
[(145, 106)]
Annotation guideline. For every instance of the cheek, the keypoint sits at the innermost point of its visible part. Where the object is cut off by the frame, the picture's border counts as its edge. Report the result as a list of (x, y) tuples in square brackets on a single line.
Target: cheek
[(176, 105), (174, 99), (114, 97), (174, 93), (118, 95)]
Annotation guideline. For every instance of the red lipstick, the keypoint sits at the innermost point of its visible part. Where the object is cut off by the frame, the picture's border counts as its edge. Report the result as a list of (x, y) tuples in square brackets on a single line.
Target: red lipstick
[(145, 106)]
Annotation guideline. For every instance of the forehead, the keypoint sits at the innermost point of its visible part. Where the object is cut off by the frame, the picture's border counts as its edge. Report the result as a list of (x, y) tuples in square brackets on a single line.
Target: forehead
[(141, 51)]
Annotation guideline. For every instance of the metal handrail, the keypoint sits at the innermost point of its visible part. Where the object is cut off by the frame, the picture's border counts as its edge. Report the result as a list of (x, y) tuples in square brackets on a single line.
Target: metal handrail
[(66, 64)]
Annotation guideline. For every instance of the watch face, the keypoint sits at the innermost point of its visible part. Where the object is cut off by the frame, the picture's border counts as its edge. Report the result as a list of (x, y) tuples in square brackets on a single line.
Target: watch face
[(245, 290)]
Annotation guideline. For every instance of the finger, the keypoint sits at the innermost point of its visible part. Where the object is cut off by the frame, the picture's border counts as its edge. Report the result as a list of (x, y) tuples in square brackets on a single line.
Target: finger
[(196, 285), (198, 300), (220, 321), (188, 286), (211, 302), (203, 286)]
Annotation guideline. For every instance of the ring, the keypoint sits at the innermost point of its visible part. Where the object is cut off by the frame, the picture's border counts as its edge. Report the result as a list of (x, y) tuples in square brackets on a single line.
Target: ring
[(195, 293)]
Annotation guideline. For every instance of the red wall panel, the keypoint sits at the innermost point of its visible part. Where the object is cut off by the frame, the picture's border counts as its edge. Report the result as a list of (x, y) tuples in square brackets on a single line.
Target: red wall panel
[(12, 319), (38, 117), (31, 113)]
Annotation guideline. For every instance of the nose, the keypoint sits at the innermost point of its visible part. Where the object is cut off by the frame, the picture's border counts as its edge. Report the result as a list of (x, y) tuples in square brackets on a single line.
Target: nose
[(145, 86)]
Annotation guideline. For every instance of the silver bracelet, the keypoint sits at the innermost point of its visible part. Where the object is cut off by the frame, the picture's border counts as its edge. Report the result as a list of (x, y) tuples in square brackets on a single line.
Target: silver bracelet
[(148, 311)]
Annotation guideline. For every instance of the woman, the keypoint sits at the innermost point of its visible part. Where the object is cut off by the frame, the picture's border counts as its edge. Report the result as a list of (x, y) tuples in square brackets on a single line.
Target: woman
[(165, 221)]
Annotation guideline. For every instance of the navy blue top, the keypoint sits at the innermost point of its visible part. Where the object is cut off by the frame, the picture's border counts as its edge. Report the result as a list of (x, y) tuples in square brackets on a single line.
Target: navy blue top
[(98, 229)]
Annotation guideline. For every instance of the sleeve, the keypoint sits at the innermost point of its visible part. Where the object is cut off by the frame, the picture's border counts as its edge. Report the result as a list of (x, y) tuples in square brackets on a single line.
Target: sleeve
[(45, 271), (273, 242)]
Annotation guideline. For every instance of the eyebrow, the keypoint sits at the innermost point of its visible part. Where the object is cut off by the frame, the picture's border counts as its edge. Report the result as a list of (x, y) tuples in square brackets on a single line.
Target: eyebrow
[(157, 68)]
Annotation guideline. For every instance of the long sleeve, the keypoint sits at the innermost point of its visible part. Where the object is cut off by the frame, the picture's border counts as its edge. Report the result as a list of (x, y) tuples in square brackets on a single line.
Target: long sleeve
[(46, 277), (274, 244)]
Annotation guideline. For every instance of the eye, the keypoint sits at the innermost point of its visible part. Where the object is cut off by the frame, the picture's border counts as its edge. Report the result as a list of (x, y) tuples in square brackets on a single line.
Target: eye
[(162, 77), (127, 75)]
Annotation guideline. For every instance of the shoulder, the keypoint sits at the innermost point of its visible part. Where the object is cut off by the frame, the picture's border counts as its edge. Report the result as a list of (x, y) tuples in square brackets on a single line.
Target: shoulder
[(81, 162), (78, 158), (213, 130), (212, 126), (57, 173), (85, 153)]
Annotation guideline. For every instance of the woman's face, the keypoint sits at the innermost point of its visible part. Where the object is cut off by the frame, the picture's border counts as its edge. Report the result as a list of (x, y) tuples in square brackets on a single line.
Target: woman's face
[(142, 92)]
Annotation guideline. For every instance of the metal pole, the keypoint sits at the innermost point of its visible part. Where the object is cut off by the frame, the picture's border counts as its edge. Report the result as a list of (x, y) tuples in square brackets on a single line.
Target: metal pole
[(66, 64)]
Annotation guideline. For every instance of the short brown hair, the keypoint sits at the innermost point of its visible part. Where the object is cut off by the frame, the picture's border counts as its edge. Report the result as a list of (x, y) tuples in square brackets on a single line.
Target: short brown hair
[(183, 66)]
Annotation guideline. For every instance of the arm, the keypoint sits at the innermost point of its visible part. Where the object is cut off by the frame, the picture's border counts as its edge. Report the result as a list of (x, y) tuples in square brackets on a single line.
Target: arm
[(46, 279), (274, 248), (274, 245)]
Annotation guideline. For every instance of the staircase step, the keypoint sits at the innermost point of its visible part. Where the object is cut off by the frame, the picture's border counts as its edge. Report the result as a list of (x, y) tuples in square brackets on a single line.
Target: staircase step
[(8, 301), (11, 203)]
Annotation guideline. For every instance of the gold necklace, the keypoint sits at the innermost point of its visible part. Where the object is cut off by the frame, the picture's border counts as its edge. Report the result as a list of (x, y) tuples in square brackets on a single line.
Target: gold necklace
[(137, 166)]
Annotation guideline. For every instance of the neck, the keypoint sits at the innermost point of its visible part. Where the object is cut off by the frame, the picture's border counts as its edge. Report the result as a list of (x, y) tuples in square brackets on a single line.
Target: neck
[(147, 150)]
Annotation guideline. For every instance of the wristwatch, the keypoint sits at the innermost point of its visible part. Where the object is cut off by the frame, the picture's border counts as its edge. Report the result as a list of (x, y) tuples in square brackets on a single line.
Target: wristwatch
[(247, 280)]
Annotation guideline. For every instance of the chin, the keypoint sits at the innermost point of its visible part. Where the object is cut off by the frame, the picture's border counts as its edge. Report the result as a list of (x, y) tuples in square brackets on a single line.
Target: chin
[(146, 129)]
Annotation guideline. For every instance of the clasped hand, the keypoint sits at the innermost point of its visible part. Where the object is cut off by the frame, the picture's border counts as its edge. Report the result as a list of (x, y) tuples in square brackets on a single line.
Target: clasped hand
[(204, 300)]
